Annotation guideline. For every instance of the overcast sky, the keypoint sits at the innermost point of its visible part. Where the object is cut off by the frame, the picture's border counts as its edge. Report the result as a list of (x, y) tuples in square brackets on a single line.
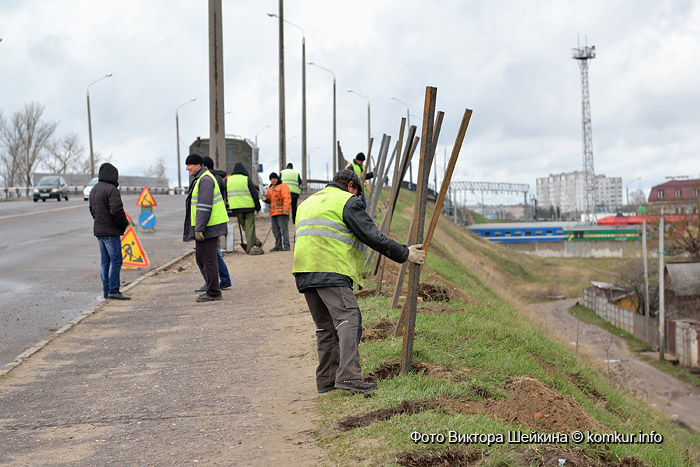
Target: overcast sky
[(509, 61)]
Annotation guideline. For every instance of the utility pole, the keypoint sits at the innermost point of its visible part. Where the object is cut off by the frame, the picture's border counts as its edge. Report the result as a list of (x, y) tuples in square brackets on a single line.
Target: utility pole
[(646, 268), (282, 125), (217, 131), (582, 55), (662, 314)]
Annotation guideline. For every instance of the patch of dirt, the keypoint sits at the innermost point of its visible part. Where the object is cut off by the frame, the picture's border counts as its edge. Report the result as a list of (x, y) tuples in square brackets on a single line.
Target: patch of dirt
[(454, 456), (432, 309), (406, 407), (433, 293), (364, 293), (534, 405), (392, 369), (378, 331)]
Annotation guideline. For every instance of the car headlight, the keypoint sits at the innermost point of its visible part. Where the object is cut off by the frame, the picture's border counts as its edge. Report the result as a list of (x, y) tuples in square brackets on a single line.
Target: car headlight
[(36, 190), (54, 190)]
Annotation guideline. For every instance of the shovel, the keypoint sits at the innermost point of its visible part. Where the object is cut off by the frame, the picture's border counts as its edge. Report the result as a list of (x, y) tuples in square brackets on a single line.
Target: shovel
[(243, 245)]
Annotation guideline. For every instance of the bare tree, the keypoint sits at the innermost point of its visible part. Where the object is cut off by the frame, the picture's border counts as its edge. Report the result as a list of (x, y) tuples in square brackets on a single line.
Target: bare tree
[(156, 170), (26, 139), (65, 155), (630, 274), (83, 164), (8, 155)]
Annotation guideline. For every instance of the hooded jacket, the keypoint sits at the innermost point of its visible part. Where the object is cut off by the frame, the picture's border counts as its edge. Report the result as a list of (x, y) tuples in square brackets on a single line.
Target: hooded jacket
[(106, 204), (239, 169)]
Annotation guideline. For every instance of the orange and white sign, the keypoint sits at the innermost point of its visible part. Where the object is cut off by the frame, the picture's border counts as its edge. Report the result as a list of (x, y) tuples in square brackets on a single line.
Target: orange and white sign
[(133, 253), (146, 199)]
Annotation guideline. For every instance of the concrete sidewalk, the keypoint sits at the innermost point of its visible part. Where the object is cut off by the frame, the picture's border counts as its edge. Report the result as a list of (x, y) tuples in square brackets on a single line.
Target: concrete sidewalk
[(161, 380)]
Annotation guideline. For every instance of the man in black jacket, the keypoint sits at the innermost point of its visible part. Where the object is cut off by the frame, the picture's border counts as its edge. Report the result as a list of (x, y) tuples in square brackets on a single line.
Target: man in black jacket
[(109, 225)]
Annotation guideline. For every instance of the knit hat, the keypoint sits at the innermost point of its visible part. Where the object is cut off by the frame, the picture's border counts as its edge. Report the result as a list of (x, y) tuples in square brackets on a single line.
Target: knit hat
[(360, 156), (194, 159), (208, 162), (274, 175)]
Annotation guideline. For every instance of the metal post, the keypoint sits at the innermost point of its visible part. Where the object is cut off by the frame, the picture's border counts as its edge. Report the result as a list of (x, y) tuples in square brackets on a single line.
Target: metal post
[(92, 154), (282, 126), (335, 138), (646, 268), (662, 324), (177, 138), (217, 130), (303, 112)]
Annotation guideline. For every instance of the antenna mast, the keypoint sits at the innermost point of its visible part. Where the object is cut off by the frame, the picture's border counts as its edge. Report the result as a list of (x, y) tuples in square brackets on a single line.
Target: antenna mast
[(583, 54)]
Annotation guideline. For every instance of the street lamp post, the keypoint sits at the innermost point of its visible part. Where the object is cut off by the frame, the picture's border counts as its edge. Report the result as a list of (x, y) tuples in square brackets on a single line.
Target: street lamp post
[(177, 136), (92, 155), (282, 118), (408, 122), (261, 129), (335, 137), (369, 136), (303, 97), (627, 189)]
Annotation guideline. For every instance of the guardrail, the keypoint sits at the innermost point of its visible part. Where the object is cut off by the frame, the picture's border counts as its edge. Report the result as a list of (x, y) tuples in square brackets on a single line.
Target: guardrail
[(10, 193)]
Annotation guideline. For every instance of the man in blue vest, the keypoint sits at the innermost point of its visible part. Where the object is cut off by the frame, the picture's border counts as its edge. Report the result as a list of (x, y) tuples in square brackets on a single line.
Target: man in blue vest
[(332, 225), (205, 222), (292, 179)]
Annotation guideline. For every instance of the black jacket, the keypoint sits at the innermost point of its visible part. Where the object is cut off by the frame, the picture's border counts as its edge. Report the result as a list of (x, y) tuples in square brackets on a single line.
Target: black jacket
[(106, 204), (364, 228), (239, 168)]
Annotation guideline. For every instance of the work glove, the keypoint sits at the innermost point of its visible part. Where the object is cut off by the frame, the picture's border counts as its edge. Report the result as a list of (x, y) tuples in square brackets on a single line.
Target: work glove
[(199, 236), (369, 175), (415, 254)]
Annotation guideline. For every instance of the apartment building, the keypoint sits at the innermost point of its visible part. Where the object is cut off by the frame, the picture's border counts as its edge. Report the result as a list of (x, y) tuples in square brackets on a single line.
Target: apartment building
[(567, 191)]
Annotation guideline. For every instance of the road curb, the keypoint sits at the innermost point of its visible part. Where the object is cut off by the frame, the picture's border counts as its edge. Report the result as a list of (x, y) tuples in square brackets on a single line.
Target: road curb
[(43, 343)]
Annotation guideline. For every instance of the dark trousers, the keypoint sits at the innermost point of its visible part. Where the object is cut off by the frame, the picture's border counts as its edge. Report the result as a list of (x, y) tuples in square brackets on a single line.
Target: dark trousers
[(295, 200), (337, 317), (280, 229), (207, 261)]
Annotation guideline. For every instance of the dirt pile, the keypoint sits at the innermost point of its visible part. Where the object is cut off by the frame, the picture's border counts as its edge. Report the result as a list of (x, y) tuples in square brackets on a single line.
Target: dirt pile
[(534, 405)]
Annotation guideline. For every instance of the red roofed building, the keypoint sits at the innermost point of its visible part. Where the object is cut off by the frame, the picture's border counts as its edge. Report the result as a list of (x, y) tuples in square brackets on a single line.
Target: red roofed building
[(675, 191)]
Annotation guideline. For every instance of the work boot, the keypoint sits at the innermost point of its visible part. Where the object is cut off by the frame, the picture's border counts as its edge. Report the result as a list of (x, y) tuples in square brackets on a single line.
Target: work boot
[(325, 389), (356, 385), (201, 289), (208, 298), (277, 248), (118, 296), (256, 250), (224, 286)]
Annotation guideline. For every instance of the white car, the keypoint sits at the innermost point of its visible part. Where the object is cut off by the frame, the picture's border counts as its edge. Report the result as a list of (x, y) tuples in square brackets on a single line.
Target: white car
[(88, 187)]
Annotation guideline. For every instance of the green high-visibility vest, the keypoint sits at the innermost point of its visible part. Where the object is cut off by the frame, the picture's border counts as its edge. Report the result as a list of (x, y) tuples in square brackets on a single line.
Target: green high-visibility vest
[(238, 193), (218, 208), (358, 169), (291, 178), (323, 241)]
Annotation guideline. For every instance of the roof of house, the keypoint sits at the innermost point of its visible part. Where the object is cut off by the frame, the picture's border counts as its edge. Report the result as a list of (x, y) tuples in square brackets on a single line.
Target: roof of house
[(684, 278), (666, 192)]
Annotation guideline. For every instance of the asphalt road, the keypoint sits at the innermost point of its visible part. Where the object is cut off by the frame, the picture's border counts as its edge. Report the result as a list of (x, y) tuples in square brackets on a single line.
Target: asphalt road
[(50, 263)]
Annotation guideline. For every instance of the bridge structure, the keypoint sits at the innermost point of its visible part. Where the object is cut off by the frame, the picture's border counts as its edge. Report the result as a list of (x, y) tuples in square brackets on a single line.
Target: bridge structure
[(459, 190)]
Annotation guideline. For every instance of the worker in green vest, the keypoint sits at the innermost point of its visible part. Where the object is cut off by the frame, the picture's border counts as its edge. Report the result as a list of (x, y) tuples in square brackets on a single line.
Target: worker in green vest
[(356, 165), (292, 179), (332, 225), (244, 202), (205, 222)]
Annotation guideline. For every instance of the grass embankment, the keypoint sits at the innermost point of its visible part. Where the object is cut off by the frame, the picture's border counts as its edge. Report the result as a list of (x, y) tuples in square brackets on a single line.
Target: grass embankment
[(470, 355)]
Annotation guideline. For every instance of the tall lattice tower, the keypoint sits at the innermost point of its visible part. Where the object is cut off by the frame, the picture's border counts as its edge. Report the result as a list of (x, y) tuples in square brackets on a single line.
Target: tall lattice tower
[(583, 54)]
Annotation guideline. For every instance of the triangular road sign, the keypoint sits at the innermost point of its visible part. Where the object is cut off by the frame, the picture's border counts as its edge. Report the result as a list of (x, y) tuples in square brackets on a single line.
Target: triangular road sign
[(132, 251), (145, 198)]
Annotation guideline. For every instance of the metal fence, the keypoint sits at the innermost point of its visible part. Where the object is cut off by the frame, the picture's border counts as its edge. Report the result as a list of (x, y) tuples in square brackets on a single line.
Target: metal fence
[(9, 193)]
